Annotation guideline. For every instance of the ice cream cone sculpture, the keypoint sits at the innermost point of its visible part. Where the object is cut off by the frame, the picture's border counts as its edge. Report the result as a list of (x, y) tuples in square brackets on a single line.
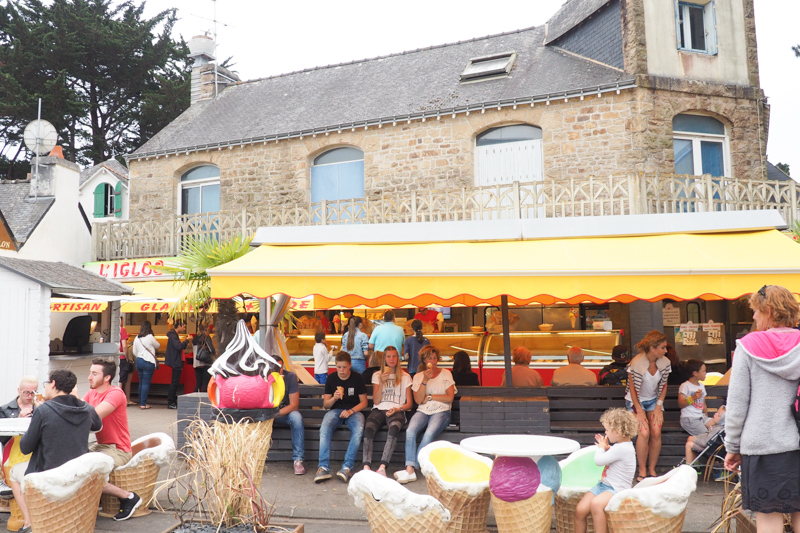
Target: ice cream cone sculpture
[(245, 376), (521, 503)]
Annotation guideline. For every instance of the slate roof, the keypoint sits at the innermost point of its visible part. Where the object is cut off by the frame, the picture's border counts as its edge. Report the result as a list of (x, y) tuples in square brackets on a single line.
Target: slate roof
[(22, 214), (112, 165), (61, 277), (776, 174), (419, 82), (572, 13)]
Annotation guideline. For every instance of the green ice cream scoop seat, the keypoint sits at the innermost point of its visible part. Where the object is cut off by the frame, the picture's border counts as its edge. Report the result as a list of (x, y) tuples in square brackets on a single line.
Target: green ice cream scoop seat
[(579, 473)]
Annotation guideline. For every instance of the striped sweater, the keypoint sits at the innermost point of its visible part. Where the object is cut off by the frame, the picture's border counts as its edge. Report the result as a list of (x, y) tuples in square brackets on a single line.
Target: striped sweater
[(639, 366)]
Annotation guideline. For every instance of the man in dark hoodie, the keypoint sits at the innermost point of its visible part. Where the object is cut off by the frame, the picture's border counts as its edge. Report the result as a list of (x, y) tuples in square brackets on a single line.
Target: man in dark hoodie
[(174, 359), (59, 432)]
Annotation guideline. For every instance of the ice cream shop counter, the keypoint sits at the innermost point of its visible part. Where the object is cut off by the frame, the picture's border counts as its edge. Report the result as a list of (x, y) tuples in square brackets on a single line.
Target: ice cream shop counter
[(485, 350)]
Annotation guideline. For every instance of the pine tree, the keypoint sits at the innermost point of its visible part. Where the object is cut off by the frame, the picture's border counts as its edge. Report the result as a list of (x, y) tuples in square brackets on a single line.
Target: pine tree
[(109, 78)]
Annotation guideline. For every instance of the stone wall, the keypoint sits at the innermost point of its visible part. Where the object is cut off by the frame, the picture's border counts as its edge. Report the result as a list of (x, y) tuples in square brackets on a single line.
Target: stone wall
[(610, 134)]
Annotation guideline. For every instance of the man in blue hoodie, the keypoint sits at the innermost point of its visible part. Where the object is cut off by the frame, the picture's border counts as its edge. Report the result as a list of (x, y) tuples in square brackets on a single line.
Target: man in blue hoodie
[(174, 359), (59, 432)]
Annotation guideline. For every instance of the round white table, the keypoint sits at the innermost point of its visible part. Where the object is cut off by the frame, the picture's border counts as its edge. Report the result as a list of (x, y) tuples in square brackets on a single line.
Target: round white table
[(533, 446), (10, 427)]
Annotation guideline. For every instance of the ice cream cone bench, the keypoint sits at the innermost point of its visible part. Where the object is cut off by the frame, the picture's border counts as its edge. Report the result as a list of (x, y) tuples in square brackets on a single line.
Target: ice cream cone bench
[(579, 473), (392, 508), (524, 478)]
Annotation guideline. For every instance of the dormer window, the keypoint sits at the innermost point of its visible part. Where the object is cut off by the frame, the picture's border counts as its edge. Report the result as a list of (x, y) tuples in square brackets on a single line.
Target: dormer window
[(696, 26), (489, 67)]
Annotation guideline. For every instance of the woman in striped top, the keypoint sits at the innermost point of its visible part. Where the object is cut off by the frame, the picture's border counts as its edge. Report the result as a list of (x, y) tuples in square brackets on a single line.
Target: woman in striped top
[(647, 387)]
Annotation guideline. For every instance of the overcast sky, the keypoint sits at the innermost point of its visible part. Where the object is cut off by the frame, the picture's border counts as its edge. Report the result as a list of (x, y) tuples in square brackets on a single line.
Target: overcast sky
[(268, 37)]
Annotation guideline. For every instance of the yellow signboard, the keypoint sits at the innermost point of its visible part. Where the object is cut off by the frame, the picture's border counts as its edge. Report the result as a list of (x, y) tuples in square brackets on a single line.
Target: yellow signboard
[(59, 305)]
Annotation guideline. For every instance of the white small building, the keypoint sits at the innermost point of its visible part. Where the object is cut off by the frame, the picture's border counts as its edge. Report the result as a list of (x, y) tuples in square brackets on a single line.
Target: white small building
[(104, 191)]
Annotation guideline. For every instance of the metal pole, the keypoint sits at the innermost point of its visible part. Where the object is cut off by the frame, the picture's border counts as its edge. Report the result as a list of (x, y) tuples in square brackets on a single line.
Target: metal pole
[(506, 340), (38, 140)]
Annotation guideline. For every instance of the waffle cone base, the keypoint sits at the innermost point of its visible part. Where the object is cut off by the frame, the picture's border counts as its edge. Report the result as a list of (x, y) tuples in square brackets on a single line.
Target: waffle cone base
[(468, 514), (534, 515), (76, 514), (140, 479), (382, 520), (565, 514), (632, 517)]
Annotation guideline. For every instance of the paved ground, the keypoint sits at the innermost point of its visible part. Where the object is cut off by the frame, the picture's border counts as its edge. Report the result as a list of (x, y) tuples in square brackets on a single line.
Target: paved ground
[(327, 507)]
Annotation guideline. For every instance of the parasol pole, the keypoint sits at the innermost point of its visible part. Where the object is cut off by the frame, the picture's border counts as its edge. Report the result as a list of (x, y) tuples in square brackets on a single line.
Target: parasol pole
[(506, 340)]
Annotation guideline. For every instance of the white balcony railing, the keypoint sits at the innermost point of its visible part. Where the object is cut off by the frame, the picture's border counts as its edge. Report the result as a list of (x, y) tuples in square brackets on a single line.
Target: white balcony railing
[(574, 197)]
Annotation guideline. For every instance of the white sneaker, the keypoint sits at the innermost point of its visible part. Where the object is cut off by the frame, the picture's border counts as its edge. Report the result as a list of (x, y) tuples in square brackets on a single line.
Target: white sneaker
[(402, 476)]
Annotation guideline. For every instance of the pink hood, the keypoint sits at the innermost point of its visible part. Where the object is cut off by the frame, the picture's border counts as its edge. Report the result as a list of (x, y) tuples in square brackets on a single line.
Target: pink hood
[(775, 351)]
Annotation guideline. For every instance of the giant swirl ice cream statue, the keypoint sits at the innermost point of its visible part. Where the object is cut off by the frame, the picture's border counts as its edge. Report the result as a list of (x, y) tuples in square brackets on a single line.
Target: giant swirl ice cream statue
[(245, 382)]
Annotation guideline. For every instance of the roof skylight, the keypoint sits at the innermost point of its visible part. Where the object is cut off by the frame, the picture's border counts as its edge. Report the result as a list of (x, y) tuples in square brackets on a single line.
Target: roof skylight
[(489, 67)]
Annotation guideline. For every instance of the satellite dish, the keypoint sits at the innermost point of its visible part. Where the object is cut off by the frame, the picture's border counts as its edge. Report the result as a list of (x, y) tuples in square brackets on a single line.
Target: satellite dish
[(40, 137)]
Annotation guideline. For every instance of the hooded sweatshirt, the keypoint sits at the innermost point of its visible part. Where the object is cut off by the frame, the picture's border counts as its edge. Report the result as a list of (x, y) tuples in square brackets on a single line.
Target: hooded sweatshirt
[(764, 380), (59, 432)]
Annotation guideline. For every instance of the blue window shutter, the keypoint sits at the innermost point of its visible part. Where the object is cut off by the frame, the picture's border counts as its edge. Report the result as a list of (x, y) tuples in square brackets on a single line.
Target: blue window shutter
[(678, 25), (118, 200), (99, 201), (351, 180), (325, 183), (711, 24)]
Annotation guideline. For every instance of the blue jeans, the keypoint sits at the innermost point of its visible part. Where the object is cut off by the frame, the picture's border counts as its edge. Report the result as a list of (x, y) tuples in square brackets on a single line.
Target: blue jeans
[(321, 378), (358, 365), (330, 423), (295, 422), (647, 405), (602, 487), (435, 423), (146, 371)]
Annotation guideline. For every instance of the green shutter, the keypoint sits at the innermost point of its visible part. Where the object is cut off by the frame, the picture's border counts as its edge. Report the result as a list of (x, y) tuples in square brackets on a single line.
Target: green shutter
[(118, 200), (99, 201)]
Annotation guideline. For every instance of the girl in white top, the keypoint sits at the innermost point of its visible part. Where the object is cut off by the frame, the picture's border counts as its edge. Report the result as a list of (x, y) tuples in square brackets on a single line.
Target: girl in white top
[(322, 355), (614, 451), (145, 348), (391, 395), (434, 390), (692, 400)]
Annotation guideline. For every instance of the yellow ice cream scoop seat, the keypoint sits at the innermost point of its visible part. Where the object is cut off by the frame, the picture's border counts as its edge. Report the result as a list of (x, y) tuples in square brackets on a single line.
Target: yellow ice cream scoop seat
[(454, 466)]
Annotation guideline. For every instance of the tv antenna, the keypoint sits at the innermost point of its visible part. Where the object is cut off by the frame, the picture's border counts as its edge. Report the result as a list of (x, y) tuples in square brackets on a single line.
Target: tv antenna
[(40, 137)]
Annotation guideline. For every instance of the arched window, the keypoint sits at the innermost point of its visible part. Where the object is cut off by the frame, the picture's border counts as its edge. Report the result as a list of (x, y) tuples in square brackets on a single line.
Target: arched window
[(338, 174), (200, 190), (508, 154), (700, 145), (107, 200)]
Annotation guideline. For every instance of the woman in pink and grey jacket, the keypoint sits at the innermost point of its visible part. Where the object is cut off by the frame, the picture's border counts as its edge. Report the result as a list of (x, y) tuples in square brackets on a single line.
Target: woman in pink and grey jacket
[(761, 433)]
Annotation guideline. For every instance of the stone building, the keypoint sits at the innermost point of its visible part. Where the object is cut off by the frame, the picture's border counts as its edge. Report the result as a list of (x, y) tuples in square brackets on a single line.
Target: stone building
[(604, 88)]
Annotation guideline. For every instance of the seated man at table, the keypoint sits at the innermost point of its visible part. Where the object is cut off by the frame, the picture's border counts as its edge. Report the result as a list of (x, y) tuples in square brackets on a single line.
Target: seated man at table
[(574, 373), (114, 439), (59, 432), (522, 374), (20, 407)]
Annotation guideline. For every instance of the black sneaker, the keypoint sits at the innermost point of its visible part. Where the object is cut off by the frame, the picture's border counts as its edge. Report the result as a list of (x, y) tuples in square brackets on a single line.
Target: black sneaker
[(323, 474), (5, 490), (127, 507), (344, 474), (172, 406)]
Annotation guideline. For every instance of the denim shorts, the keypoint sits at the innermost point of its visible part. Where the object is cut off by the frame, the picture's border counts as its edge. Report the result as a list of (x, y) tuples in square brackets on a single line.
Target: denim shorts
[(647, 405), (602, 487)]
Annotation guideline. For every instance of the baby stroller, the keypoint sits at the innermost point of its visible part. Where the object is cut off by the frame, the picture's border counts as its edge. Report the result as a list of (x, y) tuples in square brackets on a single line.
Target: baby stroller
[(710, 449)]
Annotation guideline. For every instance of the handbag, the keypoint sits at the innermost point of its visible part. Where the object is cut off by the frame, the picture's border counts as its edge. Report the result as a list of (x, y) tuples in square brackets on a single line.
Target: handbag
[(155, 358), (206, 353)]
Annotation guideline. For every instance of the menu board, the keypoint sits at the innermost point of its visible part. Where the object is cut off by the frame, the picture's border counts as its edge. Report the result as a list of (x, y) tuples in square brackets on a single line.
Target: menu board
[(672, 315)]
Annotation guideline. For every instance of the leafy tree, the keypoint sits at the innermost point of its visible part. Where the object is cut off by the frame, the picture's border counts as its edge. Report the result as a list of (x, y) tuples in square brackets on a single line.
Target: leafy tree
[(109, 78), (783, 167)]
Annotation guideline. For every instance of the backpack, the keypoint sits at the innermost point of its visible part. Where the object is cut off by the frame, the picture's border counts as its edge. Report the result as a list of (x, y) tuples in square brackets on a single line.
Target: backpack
[(613, 376), (206, 352), (796, 406)]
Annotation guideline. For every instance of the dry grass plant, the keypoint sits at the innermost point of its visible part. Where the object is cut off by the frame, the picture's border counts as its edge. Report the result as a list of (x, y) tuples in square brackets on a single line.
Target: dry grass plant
[(732, 510), (210, 478)]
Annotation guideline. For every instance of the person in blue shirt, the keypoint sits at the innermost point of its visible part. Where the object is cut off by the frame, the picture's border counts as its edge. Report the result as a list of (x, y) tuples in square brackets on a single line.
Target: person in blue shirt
[(387, 334)]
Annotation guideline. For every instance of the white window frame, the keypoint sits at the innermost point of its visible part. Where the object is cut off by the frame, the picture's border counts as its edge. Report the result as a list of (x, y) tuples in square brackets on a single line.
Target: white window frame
[(192, 184), (709, 25), (537, 143), (108, 204), (697, 156)]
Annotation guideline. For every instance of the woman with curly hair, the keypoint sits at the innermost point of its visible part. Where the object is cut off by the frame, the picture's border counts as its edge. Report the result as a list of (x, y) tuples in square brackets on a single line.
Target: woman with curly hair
[(761, 435)]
